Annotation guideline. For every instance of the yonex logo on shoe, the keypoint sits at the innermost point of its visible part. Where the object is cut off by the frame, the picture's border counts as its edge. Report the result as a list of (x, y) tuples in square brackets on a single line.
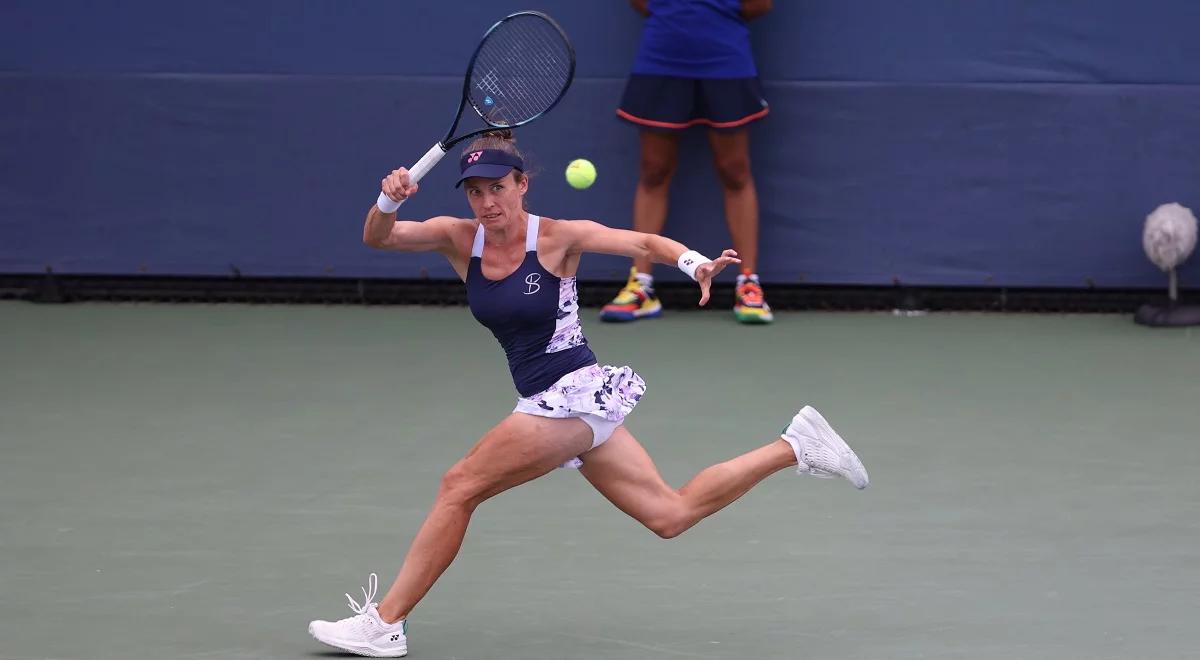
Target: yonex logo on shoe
[(395, 638)]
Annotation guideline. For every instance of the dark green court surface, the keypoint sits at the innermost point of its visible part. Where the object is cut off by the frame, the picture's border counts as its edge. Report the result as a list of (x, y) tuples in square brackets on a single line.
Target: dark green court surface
[(200, 481)]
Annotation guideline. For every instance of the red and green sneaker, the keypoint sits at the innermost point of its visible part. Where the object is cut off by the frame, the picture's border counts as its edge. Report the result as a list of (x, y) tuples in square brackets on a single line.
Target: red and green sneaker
[(633, 302), (749, 305)]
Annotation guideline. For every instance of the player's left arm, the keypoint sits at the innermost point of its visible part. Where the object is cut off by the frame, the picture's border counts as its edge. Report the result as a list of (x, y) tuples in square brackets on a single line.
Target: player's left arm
[(579, 236)]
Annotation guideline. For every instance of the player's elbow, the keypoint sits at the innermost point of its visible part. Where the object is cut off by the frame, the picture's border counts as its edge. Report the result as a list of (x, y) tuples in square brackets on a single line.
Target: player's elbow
[(373, 241), (654, 248), (380, 240)]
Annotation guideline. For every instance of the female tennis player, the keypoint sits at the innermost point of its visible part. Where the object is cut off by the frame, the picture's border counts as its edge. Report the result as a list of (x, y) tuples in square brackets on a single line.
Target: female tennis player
[(519, 269)]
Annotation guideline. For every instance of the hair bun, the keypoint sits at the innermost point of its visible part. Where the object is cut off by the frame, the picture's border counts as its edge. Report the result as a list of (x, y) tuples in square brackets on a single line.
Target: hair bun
[(501, 134)]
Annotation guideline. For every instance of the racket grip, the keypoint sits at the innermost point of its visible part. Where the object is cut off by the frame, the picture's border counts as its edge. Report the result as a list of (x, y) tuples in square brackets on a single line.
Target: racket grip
[(431, 158), (415, 174)]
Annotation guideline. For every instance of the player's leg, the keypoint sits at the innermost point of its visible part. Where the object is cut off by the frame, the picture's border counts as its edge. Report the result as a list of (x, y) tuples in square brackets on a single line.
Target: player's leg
[(624, 473), (519, 449)]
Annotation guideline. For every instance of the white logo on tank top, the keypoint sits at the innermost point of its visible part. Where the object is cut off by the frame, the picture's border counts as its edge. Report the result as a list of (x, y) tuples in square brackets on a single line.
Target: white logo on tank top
[(531, 283)]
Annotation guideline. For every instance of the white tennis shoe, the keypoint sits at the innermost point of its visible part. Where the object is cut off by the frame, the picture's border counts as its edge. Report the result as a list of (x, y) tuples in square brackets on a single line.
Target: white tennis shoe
[(820, 451), (364, 633)]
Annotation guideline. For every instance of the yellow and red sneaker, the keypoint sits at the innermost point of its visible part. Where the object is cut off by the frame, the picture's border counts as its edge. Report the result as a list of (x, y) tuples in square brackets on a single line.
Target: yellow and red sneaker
[(632, 303), (749, 305)]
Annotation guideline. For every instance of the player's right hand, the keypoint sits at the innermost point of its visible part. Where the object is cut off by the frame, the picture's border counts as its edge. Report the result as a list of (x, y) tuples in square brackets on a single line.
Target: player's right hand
[(398, 186)]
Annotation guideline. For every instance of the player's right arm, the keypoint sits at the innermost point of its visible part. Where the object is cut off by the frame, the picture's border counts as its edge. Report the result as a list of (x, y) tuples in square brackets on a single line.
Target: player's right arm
[(383, 232)]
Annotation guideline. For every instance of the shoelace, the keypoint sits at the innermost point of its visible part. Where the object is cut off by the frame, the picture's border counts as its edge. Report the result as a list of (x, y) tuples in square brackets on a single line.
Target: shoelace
[(369, 596)]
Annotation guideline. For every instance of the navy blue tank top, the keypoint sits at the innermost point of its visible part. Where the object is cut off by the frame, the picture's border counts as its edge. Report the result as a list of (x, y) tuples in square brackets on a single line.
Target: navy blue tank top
[(533, 314)]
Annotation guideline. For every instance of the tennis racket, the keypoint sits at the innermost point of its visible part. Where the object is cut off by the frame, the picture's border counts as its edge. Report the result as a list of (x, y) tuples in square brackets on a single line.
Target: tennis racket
[(520, 70)]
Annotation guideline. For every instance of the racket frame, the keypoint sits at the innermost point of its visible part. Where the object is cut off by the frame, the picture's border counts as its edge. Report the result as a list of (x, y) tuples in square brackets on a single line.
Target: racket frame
[(441, 147)]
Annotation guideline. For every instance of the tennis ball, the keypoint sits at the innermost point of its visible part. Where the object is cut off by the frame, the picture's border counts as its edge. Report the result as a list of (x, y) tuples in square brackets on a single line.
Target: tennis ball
[(581, 173)]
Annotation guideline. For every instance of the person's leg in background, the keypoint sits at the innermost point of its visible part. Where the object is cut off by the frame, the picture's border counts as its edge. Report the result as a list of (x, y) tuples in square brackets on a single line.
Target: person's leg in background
[(657, 164), (731, 157)]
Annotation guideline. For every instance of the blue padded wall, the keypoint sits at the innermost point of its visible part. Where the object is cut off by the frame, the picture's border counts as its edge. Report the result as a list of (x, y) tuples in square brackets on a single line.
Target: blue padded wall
[(990, 142)]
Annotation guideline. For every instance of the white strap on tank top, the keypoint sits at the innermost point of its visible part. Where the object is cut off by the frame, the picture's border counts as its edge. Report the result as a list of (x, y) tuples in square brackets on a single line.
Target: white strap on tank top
[(531, 233), (531, 236), (477, 247)]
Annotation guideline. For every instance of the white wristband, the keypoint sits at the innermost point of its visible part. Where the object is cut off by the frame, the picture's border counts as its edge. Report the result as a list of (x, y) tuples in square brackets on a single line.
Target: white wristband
[(386, 204), (691, 260)]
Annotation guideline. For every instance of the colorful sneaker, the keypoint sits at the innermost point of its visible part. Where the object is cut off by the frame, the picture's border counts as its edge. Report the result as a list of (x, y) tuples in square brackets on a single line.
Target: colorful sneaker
[(632, 303), (749, 305), (820, 451), (364, 633)]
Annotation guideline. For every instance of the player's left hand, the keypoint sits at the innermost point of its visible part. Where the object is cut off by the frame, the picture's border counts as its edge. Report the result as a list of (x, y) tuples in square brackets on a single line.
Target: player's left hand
[(706, 272)]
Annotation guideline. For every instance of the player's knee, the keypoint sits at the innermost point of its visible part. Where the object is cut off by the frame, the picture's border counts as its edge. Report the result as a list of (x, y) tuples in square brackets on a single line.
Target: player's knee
[(461, 487), (668, 526), (655, 172), (734, 172)]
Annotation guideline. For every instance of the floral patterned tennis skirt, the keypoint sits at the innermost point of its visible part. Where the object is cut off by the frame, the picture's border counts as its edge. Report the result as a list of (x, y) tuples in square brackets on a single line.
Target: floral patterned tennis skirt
[(601, 396)]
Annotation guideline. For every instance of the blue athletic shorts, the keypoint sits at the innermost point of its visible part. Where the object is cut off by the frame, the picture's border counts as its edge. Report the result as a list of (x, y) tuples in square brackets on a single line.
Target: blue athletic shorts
[(666, 103)]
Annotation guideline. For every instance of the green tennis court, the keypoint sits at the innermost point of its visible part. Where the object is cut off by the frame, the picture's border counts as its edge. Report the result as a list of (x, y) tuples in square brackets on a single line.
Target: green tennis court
[(200, 481)]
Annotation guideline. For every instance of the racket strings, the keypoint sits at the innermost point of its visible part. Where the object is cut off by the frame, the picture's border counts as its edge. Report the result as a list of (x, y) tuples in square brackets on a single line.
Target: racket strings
[(521, 70)]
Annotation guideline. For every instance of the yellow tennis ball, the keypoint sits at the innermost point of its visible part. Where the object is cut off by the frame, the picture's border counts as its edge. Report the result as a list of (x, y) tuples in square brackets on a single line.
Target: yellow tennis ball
[(581, 173)]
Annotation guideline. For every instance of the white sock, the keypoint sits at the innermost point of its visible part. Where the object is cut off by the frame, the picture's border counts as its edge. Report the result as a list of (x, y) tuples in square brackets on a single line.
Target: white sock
[(646, 280), (742, 277)]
